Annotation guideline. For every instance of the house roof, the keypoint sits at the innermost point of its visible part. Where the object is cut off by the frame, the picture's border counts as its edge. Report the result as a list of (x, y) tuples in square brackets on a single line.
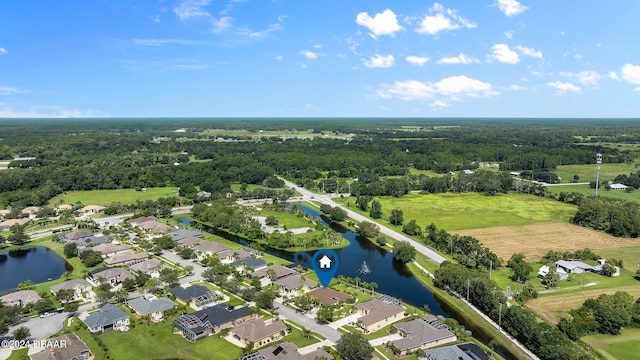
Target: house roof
[(73, 349), (92, 208), (11, 222), (281, 271), (377, 311), (329, 296), (110, 248), (420, 332), (256, 329), (76, 235), (109, 273), (125, 257), (211, 247), (155, 226), (142, 219), (213, 316), (572, 265), (146, 307), (192, 292), (146, 265), (289, 351), (190, 241), (448, 352), (63, 207), (94, 240), (251, 262), (70, 284), (107, 315), (292, 282), (30, 209), (183, 234), (22, 296)]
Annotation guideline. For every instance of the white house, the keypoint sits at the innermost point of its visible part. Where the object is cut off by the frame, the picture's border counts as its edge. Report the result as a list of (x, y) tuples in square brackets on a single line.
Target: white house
[(545, 270)]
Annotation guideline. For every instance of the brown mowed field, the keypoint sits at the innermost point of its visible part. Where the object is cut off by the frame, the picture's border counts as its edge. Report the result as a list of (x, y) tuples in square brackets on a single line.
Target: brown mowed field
[(535, 240), (550, 307)]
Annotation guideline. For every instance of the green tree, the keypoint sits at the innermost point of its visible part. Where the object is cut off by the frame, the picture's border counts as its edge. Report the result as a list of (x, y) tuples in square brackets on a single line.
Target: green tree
[(403, 251), (70, 250), (368, 229), (25, 285), (354, 346), (65, 295), (264, 298), (21, 333), (187, 253), (521, 269), (362, 202), (412, 228), (43, 305), (552, 278), (17, 236), (169, 276), (255, 282), (325, 313), (376, 210), (271, 220), (381, 240), (396, 217)]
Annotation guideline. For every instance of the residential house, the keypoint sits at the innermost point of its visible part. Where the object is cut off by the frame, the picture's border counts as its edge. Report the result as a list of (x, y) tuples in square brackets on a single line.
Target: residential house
[(329, 296), (189, 242), (7, 224), (109, 317), (183, 234), (573, 266), (64, 347), (422, 333), (139, 220), (75, 236), (467, 351), (30, 211), (286, 351), (150, 267), (4, 212), (250, 263), (155, 227), (91, 209), (110, 249), (154, 308), (92, 241), (544, 270), (20, 298), (279, 270), (377, 314), (230, 256), (126, 258), (599, 268), (292, 283), (209, 248), (82, 289), (210, 320), (196, 294), (62, 208), (114, 276), (259, 333), (616, 186)]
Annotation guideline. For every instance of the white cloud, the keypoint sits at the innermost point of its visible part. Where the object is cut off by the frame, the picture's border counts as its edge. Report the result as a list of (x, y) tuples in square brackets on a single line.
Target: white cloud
[(155, 18), (278, 58), (379, 61), (309, 54), (613, 75), (460, 59), (192, 9), (564, 87), (631, 73), (47, 111), (527, 51), (503, 54), (259, 34), (453, 88), (7, 90), (384, 23), (443, 19), (222, 24), (3, 50), (516, 87), (439, 104), (417, 60), (160, 42), (508, 34), (511, 7), (587, 77)]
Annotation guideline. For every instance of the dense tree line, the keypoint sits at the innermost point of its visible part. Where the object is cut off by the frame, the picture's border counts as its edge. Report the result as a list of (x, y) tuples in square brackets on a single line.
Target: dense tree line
[(543, 339), (467, 250), (616, 217)]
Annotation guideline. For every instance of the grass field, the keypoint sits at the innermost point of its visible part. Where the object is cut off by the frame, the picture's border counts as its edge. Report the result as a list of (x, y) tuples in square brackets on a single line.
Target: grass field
[(472, 210), (629, 255), (623, 346), (105, 197), (534, 240), (288, 219), (587, 191), (588, 172)]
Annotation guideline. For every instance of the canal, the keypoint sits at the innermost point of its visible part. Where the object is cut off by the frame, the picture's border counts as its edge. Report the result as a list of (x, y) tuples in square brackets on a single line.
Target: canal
[(392, 277)]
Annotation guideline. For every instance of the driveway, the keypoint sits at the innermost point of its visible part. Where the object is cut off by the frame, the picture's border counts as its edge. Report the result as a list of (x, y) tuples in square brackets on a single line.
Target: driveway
[(327, 332), (197, 268)]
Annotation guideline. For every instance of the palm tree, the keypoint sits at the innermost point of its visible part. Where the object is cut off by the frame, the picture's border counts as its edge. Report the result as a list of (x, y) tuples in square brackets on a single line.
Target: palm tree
[(357, 281), (341, 278), (373, 286), (365, 286)]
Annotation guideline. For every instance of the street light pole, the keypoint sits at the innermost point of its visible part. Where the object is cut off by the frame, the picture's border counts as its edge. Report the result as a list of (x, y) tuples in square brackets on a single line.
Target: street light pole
[(598, 162)]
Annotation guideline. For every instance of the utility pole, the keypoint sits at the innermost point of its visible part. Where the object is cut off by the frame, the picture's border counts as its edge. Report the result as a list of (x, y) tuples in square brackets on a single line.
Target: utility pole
[(468, 283), (500, 317), (490, 268), (598, 162)]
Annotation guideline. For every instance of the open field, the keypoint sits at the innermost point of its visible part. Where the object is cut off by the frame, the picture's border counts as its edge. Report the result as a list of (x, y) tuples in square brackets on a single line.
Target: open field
[(623, 346), (429, 173), (534, 240), (587, 191), (105, 197), (588, 172), (629, 255), (451, 211), (288, 219)]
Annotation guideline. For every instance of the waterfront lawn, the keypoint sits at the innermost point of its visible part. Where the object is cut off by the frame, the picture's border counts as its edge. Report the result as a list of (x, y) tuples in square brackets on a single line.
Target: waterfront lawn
[(285, 218), (587, 172), (451, 211), (157, 341), (106, 197)]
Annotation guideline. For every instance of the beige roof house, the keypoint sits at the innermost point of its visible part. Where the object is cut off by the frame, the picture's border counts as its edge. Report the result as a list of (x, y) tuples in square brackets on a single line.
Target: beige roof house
[(154, 226), (377, 314), (82, 289), (258, 332), (110, 249), (30, 210), (20, 298), (294, 282), (329, 296), (125, 258), (288, 351), (150, 267), (190, 242), (63, 207), (422, 333), (114, 276), (64, 347), (4, 212), (92, 209), (280, 272), (7, 224)]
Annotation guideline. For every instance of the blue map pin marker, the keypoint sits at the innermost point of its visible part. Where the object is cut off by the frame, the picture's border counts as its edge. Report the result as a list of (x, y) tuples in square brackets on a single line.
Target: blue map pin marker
[(325, 263)]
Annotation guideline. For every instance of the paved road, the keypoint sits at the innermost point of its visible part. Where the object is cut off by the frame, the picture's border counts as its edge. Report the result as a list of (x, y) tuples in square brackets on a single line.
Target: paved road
[(197, 268), (304, 321), (308, 195)]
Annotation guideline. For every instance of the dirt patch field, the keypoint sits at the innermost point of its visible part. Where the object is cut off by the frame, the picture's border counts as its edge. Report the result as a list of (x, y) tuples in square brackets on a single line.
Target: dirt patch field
[(534, 240), (550, 307)]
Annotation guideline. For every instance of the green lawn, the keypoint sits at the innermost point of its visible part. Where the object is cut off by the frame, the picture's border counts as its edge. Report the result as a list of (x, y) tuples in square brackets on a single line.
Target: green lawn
[(105, 197), (587, 191), (20, 354), (629, 255), (451, 211), (588, 172), (623, 346), (288, 219), (297, 337)]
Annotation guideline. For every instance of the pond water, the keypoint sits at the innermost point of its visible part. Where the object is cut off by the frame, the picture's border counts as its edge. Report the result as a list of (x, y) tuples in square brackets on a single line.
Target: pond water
[(38, 264), (393, 278)]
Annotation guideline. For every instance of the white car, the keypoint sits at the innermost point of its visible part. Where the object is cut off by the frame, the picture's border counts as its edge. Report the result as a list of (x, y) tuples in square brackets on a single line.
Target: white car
[(46, 315)]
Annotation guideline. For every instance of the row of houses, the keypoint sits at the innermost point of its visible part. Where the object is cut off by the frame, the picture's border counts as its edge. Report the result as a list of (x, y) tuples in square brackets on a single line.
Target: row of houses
[(31, 211), (286, 279)]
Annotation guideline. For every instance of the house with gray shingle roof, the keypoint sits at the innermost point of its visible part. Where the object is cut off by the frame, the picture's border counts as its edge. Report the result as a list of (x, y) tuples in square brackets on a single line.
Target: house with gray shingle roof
[(69, 347), (82, 289), (422, 333), (154, 308), (377, 314), (20, 298), (109, 317), (199, 294), (291, 283), (183, 234), (150, 267), (259, 333)]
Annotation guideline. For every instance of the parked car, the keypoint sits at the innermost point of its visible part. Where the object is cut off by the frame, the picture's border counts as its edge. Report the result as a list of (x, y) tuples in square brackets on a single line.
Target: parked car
[(46, 315)]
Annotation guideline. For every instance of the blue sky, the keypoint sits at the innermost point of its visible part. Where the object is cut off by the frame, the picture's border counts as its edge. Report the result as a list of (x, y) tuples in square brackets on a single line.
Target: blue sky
[(330, 58)]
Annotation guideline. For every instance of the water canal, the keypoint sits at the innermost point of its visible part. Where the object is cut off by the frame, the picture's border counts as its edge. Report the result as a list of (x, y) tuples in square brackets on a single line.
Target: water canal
[(393, 278), (37, 263)]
